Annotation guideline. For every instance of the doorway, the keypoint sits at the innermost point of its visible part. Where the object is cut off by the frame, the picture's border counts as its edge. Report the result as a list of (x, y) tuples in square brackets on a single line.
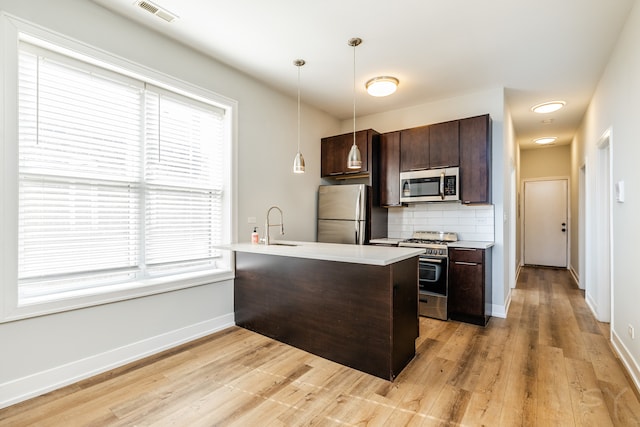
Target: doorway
[(545, 222), (601, 288)]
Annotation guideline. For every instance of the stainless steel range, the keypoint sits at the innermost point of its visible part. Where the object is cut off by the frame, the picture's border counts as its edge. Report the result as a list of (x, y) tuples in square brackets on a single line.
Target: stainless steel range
[(433, 282)]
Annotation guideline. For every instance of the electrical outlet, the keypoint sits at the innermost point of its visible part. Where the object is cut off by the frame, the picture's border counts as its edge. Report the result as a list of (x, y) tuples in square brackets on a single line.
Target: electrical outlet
[(251, 220), (632, 333)]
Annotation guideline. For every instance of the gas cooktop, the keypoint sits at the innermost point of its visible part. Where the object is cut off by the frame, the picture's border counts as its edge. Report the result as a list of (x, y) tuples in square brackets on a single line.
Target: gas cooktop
[(434, 241)]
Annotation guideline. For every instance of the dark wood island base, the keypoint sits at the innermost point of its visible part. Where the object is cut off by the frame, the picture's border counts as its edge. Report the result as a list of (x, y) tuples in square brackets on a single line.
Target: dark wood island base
[(359, 315)]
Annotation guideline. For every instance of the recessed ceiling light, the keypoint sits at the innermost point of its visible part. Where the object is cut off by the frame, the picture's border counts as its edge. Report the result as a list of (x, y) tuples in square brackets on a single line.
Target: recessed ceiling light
[(548, 107), (382, 86), (545, 140)]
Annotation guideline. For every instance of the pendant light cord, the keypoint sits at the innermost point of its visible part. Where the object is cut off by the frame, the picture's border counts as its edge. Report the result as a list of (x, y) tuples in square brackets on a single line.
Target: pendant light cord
[(354, 93), (299, 108)]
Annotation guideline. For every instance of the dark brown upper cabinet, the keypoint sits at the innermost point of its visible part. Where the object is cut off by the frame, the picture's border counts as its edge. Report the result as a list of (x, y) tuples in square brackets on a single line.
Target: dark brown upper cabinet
[(390, 169), (475, 160), (334, 151), (443, 145), (414, 149)]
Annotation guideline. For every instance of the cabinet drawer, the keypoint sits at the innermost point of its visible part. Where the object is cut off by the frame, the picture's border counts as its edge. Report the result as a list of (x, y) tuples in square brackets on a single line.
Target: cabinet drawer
[(466, 255)]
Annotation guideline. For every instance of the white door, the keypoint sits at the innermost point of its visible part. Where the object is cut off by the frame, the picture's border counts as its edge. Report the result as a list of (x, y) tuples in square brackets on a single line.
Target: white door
[(545, 223)]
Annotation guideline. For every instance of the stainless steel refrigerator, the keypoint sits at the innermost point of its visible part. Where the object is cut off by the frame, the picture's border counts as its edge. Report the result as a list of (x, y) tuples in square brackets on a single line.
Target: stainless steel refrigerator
[(346, 215)]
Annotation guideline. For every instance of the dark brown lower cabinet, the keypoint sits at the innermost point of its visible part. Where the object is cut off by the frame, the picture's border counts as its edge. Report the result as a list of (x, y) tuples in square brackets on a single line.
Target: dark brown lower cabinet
[(470, 285), (362, 316)]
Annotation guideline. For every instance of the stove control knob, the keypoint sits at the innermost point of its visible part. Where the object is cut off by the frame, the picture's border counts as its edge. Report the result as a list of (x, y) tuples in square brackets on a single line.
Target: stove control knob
[(441, 251)]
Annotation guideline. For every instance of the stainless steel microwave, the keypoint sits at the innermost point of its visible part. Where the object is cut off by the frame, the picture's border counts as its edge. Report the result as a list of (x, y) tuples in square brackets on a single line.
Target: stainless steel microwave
[(431, 185)]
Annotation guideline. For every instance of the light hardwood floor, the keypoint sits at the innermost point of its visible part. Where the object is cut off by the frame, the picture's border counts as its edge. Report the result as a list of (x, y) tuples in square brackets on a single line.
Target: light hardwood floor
[(548, 364)]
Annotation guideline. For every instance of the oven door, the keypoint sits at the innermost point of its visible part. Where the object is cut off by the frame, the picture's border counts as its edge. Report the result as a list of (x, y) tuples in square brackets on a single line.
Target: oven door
[(432, 276)]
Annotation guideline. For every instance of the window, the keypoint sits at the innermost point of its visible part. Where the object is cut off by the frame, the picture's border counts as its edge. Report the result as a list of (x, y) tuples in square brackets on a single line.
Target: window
[(122, 183)]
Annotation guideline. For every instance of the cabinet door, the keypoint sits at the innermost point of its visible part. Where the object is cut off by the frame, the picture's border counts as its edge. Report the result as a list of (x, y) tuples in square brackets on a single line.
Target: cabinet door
[(475, 160), (334, 151), (467, 289), (333, 157), (443, 145), (414, 149), (390, 169)]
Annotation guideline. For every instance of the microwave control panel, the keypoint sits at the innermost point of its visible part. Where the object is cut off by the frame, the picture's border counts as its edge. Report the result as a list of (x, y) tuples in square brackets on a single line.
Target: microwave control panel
[(449, 185)]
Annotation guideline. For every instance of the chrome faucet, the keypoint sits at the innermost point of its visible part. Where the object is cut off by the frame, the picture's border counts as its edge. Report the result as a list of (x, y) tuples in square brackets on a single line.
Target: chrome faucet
[(267, 225)]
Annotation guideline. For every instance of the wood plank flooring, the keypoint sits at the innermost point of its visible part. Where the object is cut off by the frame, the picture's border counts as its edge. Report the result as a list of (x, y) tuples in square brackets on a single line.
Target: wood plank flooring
[(548, 364)]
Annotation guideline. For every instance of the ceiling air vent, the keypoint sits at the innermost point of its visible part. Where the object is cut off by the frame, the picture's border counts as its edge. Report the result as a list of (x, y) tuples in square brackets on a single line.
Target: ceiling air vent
[(156, 10)]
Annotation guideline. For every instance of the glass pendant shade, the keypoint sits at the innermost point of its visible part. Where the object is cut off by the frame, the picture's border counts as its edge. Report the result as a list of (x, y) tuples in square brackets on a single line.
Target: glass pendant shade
[(298, 163)]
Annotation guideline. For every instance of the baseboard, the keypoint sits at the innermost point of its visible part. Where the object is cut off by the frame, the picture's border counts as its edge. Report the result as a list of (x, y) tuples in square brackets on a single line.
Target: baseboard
[(627, 359), (592, 304), (501, 310), (575, 276), (518, 270), (21, 389)]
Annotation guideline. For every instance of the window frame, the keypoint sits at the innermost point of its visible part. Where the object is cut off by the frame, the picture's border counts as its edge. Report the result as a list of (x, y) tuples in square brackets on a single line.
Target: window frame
[(13, 30)]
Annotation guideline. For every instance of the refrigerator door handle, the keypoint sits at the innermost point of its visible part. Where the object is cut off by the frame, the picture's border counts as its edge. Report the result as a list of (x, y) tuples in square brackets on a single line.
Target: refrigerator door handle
[(357, 223)]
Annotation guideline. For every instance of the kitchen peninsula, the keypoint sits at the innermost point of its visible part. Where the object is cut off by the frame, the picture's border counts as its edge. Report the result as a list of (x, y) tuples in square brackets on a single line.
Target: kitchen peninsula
[(353, 304)]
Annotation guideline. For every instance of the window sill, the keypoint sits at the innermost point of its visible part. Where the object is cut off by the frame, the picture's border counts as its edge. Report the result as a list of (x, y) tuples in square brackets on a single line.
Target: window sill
[(73, 300)]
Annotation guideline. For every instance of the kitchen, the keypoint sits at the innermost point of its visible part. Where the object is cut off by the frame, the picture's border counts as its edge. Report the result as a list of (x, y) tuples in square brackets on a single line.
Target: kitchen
[(145, 325)]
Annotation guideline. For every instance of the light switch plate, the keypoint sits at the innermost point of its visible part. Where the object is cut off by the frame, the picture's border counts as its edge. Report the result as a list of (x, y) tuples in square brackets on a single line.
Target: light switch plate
[(620, 191)]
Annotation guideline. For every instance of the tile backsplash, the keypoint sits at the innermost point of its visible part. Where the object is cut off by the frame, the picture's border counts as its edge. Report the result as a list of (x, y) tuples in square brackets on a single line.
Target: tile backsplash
[(470, 222)]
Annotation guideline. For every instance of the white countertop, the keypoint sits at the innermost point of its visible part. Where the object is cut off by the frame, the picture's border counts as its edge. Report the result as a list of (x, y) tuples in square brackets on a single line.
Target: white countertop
[(356, 254), (470, 244)]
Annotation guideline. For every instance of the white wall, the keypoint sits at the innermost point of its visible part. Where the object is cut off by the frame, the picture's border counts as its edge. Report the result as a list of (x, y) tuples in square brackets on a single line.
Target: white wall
[(43, 353), (616, 106), (489, 101)]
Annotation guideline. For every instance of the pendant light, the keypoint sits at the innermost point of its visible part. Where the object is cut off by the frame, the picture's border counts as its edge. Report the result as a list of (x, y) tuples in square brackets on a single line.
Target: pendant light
[(298, 162), (354, 161)]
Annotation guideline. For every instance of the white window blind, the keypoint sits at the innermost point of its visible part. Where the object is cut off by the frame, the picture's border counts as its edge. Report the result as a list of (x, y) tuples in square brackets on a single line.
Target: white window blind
[(119, 181), (183, 184)]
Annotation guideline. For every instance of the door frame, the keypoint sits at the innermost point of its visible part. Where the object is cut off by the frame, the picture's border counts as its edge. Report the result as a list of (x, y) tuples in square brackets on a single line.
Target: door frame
[(599, 232), (524, 207), (582, 228)]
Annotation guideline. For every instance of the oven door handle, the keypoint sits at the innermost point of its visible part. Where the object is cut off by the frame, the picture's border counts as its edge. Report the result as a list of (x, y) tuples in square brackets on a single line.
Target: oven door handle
[(437, 261)]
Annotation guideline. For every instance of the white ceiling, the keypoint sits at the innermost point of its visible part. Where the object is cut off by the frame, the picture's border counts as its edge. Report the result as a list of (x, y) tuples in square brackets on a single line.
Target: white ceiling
[(538, 50)]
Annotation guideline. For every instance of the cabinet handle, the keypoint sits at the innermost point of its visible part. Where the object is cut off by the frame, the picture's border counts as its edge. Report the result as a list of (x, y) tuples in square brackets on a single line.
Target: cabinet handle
[(465, 263), (463, 249)]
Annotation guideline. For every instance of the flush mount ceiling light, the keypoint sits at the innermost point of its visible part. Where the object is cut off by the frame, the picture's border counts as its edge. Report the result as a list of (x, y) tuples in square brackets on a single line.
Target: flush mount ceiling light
[(382, 86), (548, 107), (298, 161), (354, 160), (545, 140)]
